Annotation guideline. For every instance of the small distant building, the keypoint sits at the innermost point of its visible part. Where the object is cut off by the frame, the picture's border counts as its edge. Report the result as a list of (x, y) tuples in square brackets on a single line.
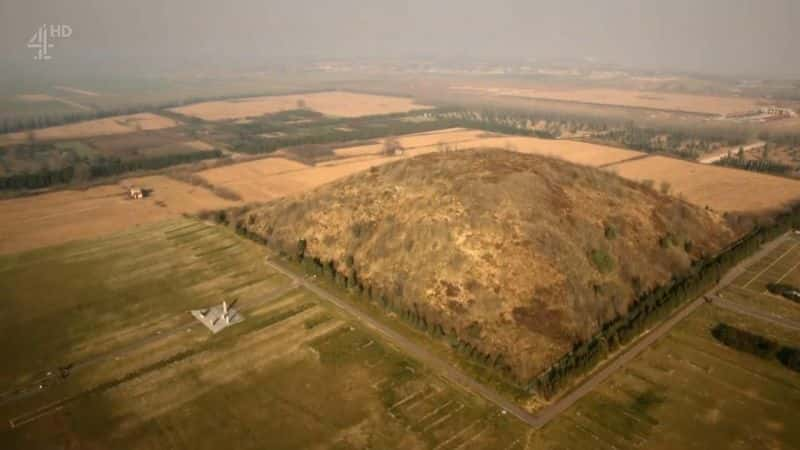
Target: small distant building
[(136, 193)]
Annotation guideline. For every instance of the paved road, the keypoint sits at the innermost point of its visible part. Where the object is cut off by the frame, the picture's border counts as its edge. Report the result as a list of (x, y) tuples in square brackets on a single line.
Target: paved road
[(550, 412), (414, 350)]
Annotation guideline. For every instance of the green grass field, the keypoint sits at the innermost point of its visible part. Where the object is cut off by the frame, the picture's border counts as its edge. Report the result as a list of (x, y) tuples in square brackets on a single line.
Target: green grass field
[(296, 373)]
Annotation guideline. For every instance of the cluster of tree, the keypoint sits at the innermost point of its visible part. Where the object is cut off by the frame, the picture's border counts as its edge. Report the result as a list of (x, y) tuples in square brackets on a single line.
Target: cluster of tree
[(657, 304), (316, 130), (788, 291), (37, 180), (547, 123), (103, 167), (326, 134), (677, 142), (757, 345), (99, 167), (756, 165)]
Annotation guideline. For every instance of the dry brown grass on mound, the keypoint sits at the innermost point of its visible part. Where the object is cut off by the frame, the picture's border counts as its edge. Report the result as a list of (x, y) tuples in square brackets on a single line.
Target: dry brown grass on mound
[(521, 255)]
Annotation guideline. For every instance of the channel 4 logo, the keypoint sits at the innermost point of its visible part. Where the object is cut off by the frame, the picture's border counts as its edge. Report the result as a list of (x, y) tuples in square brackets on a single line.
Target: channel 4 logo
[(42, 40)]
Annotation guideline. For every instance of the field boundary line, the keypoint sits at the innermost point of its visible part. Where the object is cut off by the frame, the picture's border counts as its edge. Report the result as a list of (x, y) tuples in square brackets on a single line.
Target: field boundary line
[(788, 272), (453, 437), (16, 422), (623, 161), (771, 264), (475, 436), (433, 413), (747, 311), (444, 418)]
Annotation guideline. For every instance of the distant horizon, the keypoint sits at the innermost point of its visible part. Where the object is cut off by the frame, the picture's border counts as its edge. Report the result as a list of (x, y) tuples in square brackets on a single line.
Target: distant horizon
[(129, 67), (737, 38)]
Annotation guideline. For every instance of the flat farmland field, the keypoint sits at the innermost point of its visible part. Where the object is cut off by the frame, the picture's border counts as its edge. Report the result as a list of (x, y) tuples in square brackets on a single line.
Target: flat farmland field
[(142, 373), (338, 104), (689, 391), (720, 188), (99, 127), (269, 178), (723, 189), (584, 153), (147, 144), (666, 101), (451, 136), (264, 179), (57, 217)]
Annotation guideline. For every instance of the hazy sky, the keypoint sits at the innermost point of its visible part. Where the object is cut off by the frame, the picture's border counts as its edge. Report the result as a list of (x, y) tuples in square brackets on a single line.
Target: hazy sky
[(713, 36)]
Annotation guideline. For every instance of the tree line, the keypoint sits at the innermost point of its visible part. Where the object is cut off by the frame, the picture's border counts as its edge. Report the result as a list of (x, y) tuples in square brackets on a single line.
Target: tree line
[(757, 345), (654, 306), (100, 167), (104, 167), (649, 309), (756, 165)]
